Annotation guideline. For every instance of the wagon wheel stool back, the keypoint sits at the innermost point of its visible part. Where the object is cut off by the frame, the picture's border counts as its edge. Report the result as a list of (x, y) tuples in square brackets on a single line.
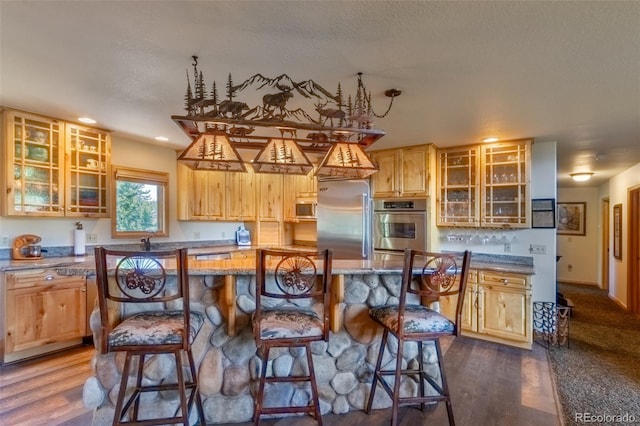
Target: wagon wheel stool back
[(426, 276), (144, 311), (292, 310)]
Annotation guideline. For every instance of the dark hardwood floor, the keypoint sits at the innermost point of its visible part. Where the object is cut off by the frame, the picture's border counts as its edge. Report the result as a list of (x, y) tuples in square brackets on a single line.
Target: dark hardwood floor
[(491, 384)]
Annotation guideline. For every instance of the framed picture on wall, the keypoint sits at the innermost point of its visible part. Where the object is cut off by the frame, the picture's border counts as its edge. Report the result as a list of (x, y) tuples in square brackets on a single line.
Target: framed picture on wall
[(572, 218), (543, 213), (617, 231)]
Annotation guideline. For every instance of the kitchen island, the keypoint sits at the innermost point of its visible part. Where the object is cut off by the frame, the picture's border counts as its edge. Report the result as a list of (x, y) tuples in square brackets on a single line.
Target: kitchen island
[(224, 291), (222, 287)]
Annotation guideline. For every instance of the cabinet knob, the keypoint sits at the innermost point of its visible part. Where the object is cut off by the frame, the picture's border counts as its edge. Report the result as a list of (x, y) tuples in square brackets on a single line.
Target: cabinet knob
[(504, 281), (49, 277)]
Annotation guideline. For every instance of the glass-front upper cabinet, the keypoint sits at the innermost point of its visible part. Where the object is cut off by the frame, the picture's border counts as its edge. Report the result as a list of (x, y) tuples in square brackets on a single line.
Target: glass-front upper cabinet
[(53, 168), (485, 185), (505, 184), (88, 151), (458, 179), (34, 156)]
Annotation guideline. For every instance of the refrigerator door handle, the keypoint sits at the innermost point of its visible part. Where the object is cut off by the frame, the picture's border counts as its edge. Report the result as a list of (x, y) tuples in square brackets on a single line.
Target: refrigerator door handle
[(365, 225)]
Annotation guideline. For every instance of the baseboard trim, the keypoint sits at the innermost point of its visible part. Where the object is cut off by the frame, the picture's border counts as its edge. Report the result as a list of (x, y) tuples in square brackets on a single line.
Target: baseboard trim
[(618, 302), (590, 284)]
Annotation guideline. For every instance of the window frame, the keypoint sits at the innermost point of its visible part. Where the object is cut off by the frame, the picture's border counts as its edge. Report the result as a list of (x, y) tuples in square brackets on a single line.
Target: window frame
[(151, 177)]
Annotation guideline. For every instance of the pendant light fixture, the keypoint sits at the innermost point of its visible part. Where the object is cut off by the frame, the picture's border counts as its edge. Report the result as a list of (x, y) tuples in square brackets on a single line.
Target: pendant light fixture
[(212, 151), (282, 155), (333, 126), (346, 161)]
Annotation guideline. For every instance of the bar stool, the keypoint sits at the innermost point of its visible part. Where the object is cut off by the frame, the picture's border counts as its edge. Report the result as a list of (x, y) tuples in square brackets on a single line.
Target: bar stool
[(292, 310), (425, 276), (138, 294)]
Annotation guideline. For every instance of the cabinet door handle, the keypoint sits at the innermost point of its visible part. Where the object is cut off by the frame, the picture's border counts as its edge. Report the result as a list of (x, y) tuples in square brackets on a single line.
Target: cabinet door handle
[(49, 277)]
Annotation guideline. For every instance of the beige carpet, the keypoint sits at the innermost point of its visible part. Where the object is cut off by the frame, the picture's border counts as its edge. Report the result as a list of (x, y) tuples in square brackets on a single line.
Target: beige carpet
[(598, 376)]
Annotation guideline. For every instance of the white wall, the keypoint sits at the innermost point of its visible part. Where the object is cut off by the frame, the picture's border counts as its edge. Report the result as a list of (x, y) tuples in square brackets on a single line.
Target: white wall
[(543, 185), (59, 231), (581, 251), (618, 191)]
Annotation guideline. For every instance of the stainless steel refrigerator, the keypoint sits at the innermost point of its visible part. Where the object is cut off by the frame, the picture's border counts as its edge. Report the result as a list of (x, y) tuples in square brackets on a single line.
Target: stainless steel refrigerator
[(344, 218)]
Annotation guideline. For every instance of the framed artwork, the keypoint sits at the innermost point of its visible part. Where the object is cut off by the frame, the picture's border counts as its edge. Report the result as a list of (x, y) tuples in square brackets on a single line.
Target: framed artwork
[(543, 213), (572, 218), (617, 231)]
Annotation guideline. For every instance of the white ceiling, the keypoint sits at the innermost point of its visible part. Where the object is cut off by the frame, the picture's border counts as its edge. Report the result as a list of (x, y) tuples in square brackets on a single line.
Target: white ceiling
[(556, 71)]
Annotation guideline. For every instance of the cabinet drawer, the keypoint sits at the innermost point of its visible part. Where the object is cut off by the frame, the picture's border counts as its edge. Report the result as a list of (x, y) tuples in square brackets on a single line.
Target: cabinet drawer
[(504, 279), (39, 277)]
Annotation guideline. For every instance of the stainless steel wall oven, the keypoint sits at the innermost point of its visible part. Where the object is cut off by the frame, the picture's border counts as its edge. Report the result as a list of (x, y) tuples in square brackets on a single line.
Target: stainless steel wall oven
[(399, 224)]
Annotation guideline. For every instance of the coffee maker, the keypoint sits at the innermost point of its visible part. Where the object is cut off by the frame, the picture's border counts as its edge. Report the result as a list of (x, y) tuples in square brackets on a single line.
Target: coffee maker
[(26, 247)]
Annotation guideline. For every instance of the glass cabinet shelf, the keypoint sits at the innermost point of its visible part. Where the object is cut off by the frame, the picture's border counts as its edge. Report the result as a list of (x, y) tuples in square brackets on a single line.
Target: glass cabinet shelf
[(53, 164), (497, 174)]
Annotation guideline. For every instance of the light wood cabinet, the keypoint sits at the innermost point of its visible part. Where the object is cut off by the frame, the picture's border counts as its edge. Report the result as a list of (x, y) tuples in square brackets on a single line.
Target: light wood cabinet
[(458, 201), (270, 197), (44, 311), (484, 185), (469, 316), (497, 308), (53, 168), (201, 194), (241, 196), (385, 182), (505, 184), (305, 186), (403, 172), (294, 188)]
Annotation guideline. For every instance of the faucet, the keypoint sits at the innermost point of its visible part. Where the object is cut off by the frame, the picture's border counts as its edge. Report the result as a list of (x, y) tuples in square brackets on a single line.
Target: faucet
[(147, 243)]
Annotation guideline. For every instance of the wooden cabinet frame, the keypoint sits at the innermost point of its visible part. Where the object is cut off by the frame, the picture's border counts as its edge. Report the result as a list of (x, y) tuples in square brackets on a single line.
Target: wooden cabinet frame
[(53, 168), (485, 185), (44, 312), (403, 172), (497, 308)]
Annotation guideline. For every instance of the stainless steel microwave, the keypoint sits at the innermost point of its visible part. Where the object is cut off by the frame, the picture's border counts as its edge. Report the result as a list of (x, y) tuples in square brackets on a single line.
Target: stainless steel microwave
[(306, 208)]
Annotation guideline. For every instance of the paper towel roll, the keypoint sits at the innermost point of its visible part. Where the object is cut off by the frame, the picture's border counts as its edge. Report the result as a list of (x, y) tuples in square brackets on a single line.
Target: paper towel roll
[(79, 242)]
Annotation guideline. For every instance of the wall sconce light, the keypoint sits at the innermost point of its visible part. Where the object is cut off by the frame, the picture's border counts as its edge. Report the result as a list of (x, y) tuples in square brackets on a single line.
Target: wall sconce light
[(581, 176)]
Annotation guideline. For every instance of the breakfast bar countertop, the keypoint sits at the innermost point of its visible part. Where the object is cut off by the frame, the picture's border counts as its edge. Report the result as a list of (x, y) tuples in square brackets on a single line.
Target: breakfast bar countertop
[(199, 264)]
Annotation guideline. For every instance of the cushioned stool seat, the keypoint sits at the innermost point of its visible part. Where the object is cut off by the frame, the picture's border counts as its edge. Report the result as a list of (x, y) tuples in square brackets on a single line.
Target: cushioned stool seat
[(289, 323), (417, 319)]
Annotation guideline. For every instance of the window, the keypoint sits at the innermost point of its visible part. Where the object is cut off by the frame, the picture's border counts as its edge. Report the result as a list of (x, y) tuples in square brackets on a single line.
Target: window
[(140, 205)]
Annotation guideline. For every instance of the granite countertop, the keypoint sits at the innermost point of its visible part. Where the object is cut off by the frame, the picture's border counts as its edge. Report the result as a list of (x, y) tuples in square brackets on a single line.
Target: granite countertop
[(85, 265)]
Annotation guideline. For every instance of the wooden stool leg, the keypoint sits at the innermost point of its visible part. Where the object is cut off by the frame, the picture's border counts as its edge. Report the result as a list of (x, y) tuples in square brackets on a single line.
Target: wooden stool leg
[(372, 394), (136, 401), (264, 356), (421, 373), (117, 417), (445, 386), (196, 388), (314, 385), (396, 384), (182, 389)]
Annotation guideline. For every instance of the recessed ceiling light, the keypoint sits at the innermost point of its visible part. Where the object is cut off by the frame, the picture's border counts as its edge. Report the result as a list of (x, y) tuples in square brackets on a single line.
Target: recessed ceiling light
[(162, 138), (490, 139), (581, 177), (87, 120)]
